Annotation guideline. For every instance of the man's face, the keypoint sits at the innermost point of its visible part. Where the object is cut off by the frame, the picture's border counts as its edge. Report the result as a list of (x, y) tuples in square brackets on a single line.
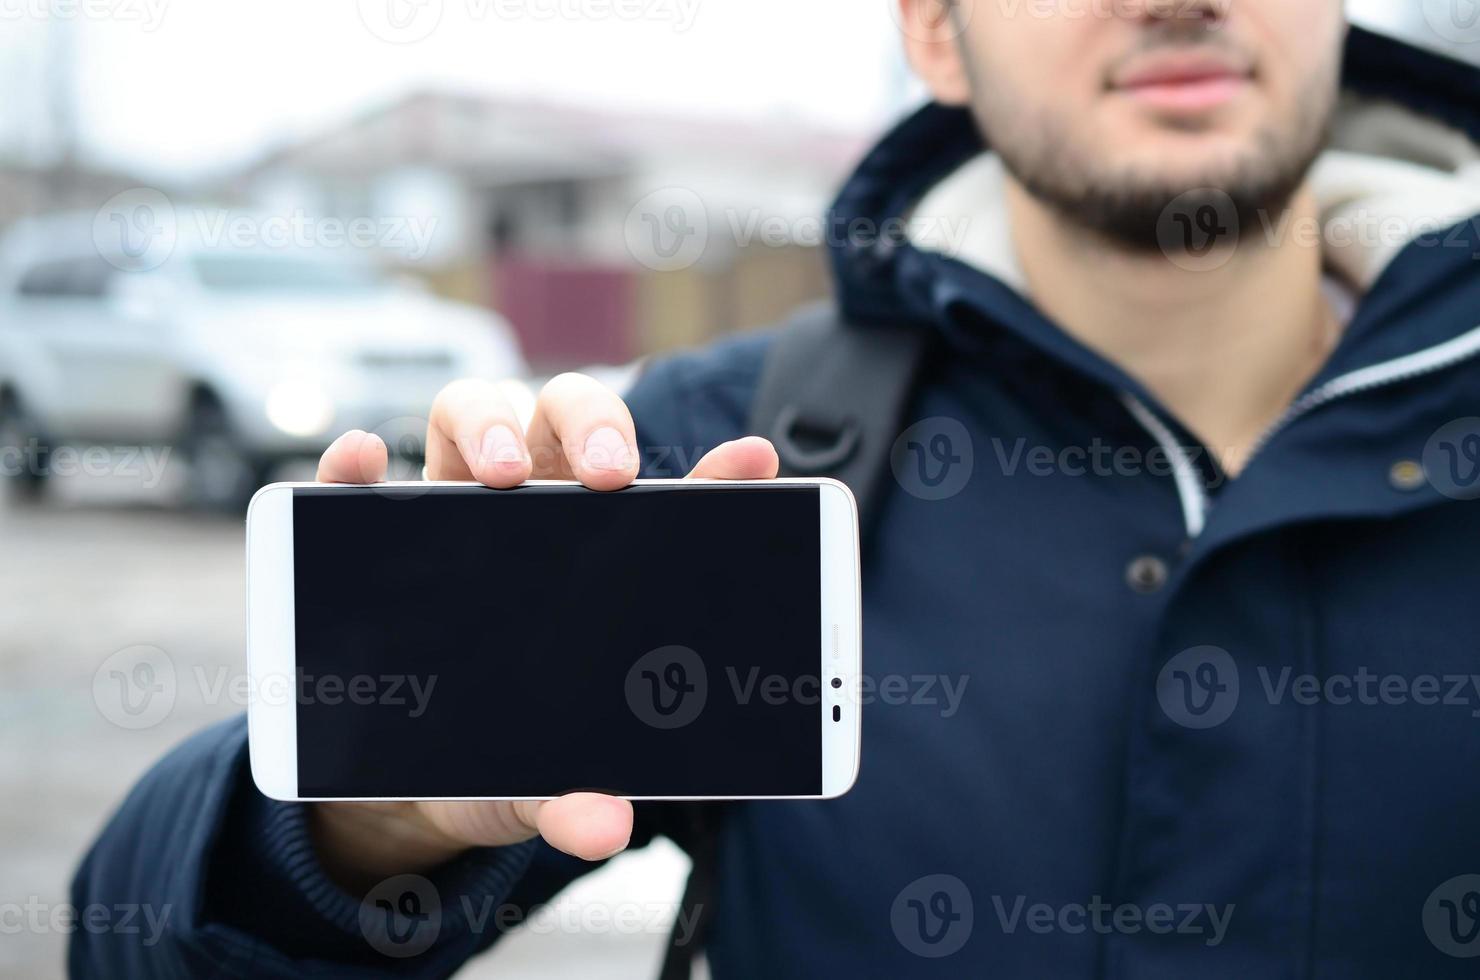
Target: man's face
[(1109, 109)]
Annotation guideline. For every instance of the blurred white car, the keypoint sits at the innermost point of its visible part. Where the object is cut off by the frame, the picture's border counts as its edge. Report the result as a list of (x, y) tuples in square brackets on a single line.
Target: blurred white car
[(237, 358)]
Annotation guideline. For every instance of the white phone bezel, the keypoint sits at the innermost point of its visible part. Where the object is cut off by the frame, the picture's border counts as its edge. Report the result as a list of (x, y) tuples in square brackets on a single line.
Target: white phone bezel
[(271, 654)]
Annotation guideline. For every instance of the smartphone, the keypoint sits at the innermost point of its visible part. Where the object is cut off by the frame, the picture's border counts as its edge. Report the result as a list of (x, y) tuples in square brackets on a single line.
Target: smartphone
[(674, 640)]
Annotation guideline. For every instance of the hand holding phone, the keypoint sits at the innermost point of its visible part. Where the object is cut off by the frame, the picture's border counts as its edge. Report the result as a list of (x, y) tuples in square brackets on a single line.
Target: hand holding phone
[(580, 431)]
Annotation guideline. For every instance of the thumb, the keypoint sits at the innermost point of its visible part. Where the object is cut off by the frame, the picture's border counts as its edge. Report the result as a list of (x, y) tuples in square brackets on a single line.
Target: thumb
[(751, 458)]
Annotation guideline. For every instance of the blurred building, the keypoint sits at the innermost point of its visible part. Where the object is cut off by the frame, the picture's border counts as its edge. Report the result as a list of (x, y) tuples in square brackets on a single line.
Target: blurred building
[(28, 189), (534, 205)]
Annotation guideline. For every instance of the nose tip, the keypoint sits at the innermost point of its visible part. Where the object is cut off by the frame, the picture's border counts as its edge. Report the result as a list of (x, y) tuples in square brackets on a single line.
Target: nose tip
[(1205, 12)]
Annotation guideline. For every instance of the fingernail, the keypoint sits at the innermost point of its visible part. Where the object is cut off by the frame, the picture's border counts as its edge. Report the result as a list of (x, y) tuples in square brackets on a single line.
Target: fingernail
[(606, 449), (501, 447)]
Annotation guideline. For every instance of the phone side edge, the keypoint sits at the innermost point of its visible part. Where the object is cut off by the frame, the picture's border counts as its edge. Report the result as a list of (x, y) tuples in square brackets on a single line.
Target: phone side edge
[(272, 731), (842, 653)]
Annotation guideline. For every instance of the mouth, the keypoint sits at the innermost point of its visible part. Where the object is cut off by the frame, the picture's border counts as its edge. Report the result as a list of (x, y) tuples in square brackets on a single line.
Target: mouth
[(1186, 82)]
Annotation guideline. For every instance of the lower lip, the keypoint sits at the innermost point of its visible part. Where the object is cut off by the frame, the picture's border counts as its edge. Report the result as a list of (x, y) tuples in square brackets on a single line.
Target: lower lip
[(1199, 95)]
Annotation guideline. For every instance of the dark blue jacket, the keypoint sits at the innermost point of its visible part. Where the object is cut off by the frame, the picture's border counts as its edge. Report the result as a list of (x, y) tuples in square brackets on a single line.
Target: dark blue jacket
[(1210, 728)]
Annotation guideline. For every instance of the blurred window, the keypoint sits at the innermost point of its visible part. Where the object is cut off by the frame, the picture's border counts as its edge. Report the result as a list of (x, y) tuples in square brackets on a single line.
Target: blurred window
[(91, 277), (246, 273), (80, 278)]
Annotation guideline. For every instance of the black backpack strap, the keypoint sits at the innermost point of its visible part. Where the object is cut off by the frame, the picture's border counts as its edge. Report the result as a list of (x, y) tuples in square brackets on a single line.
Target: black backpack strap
[(695, 828), (831, 399), (832, 396)]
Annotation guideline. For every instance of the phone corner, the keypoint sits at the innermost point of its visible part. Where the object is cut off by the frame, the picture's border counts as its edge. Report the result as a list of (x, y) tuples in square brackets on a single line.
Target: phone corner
[(274, 775), (269, 783), (262, 491), (838, 792), (841, 488)]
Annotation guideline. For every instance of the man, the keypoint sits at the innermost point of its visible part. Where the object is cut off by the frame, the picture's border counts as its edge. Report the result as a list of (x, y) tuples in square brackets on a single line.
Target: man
[(1212, 333)]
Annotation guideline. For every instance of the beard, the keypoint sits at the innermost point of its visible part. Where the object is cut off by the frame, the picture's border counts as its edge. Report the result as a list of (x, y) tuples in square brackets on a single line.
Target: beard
[(1129, 206)]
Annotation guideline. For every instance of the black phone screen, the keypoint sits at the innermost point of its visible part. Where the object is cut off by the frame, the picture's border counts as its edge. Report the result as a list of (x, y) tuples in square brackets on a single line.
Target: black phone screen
[(656, 641)]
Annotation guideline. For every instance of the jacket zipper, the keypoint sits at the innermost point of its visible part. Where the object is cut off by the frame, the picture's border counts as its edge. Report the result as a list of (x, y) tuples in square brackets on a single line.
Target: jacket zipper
[(1427, 361), (1190, 490)]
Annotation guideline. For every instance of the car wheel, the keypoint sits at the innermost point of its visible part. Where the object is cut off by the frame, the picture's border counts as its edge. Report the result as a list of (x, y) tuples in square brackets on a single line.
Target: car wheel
[(223, 473), (24, 456)]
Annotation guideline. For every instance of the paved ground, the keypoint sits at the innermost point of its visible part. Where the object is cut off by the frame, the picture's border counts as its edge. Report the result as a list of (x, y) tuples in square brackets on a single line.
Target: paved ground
[(106, 565)]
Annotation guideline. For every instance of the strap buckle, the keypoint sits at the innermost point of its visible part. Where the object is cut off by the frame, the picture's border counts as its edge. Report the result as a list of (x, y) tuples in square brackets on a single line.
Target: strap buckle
[(808, 445)]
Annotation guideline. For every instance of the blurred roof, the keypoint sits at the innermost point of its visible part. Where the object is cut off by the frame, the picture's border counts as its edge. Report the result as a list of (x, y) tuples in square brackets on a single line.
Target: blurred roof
[(503, 140)]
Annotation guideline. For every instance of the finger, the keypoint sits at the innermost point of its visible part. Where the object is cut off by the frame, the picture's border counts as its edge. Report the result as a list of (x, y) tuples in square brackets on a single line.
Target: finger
[(751, 458), (355, 457), (589, 826), (473, 434), (582, 430)]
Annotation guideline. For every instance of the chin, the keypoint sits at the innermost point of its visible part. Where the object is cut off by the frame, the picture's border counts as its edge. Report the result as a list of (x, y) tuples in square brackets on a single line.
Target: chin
[(1186, 160)]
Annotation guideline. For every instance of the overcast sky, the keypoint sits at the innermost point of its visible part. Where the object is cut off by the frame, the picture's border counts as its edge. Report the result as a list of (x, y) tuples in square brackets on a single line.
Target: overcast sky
[(172, 86), (179, 87)]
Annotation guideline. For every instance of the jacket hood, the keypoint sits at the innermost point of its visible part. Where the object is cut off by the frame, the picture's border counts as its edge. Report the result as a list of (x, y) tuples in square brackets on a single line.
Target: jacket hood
[(1401, 175)]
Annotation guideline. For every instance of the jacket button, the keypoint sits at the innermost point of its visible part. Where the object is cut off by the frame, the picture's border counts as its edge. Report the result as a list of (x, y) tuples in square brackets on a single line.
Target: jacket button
[(1407, 475), (1146, 574)]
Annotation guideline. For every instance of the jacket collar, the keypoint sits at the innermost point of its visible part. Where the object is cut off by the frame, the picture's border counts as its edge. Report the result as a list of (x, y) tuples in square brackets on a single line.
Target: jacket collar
[(1426, 106), (1420, 301)]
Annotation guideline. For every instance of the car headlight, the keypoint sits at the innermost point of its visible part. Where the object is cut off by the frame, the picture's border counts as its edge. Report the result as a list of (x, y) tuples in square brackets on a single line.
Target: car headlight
[(300, 409)]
